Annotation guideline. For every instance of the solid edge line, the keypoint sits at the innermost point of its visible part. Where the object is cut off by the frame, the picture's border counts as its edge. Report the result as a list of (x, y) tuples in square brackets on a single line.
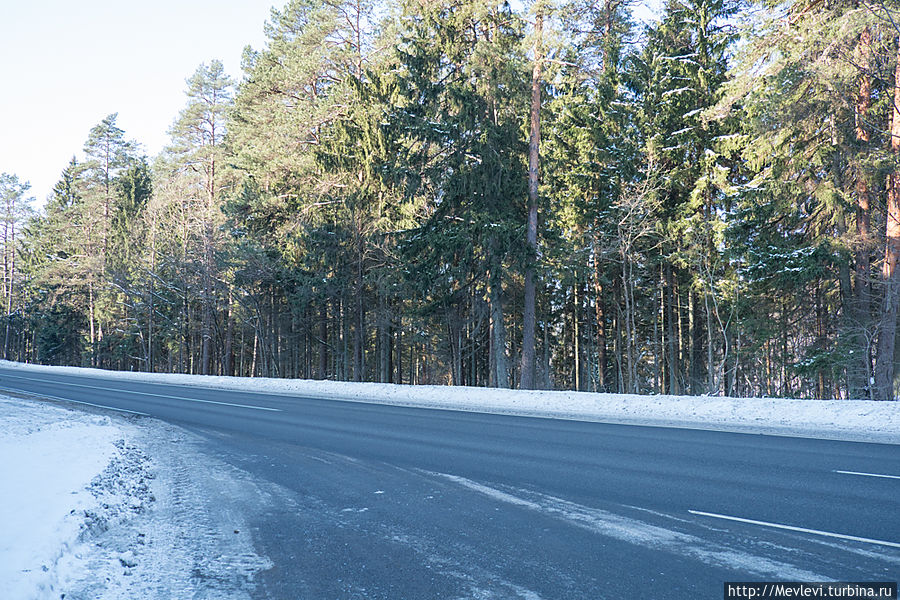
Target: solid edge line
[(867, 474), (96, 387), (59, 399), (124, 410), (799, 529)]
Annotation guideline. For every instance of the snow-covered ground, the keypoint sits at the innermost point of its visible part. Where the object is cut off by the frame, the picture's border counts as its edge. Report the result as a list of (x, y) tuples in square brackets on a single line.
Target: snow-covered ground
[(853, 420), (100, 507)]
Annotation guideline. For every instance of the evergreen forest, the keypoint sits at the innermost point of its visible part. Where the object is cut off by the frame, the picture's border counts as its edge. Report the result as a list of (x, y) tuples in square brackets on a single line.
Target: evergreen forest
[(484, 193)]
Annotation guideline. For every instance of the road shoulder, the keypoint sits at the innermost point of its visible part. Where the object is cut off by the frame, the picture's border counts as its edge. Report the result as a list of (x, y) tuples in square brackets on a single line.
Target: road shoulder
[(116, 507)]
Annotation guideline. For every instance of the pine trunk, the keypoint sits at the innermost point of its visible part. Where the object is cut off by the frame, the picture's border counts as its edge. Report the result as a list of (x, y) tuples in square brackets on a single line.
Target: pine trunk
[(576, 335), (863, 294), (884, 361), (91, 316), (528, 317), (9, 288)]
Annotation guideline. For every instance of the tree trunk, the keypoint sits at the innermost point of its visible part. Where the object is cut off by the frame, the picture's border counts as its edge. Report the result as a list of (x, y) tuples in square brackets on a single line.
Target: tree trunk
[(658, 351), (91, 316), (206, 326), (151, 300), (863, 292), (576, 335), (384, 340), (498, 331), (229, 338), (711, 384), (671, 339), (9, 289), (323, 340), (731, 364), (359, 339), (696, 329), (208, 275), (630, 383), (344, 338), (785, 383), (821, 341), (453, 339), (398, 348), (275, 339), (600, 318), (528, 316), (617, 325), (548, 381), (884, 362)]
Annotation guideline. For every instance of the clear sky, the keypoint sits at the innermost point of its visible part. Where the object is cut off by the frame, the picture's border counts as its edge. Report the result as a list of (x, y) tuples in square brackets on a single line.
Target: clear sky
[(65, 65)]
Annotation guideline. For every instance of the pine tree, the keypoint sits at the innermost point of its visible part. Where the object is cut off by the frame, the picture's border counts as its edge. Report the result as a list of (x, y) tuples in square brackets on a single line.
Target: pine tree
[(197, 154), (295, 130), (14, 213), (527, 378), (107, 153)]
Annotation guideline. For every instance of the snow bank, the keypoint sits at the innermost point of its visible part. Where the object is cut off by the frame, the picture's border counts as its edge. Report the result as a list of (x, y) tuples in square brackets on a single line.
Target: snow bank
[(857, 420), (103, 508), (47, 462)]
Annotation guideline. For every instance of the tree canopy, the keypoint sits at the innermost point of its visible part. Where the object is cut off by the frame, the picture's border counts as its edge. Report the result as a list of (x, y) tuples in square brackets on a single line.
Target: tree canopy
[(477, 193)]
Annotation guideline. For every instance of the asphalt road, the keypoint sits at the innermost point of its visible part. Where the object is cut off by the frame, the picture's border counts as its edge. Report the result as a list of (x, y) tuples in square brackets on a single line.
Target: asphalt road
[(400, 503)]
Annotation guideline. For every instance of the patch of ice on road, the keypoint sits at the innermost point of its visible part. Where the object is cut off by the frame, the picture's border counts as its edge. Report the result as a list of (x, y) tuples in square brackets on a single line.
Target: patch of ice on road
[(875, 553), (637, 532), (858, 420), (355, 510), (491, 492), (526, 594)]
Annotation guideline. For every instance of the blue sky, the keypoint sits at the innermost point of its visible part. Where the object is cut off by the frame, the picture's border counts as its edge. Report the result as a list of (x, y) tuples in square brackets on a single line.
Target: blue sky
[(65, 65)]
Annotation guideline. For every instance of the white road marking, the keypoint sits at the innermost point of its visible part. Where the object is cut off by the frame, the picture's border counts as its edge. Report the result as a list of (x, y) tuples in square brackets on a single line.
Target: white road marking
[(840, 536), (95, 387), (868, 474), (124, 410)]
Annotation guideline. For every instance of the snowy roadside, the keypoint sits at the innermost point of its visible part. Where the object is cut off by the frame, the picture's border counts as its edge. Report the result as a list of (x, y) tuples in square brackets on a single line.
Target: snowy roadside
[(852, 420), (99, 507)]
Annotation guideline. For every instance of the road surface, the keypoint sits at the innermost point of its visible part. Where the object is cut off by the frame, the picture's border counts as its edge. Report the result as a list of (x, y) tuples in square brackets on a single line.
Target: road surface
[(401, 503)]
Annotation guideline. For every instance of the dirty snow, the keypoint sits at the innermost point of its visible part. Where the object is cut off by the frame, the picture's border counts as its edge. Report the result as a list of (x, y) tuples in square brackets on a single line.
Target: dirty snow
[(857, 420), (99, 507)]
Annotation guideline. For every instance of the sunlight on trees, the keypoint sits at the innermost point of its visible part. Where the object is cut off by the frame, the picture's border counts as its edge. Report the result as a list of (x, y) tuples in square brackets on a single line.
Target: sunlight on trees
[(547, 196)]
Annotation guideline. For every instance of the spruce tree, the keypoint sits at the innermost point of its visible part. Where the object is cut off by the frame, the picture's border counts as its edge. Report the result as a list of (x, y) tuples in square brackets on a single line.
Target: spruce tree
[(464, 80)]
